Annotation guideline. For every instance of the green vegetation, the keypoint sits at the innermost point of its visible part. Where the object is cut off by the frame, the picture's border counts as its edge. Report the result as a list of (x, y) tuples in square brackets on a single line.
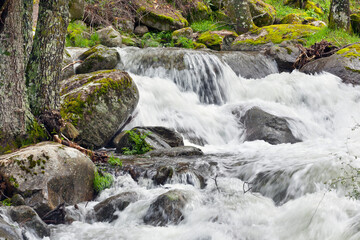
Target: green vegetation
[(79, 35), (6, 202), (139, 145), (185, 42), (102, 181), (207, 25), (336, 37), (114, 161)]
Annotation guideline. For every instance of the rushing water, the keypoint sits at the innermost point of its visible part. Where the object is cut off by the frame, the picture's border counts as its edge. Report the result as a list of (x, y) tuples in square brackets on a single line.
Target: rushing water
[(196, 93)]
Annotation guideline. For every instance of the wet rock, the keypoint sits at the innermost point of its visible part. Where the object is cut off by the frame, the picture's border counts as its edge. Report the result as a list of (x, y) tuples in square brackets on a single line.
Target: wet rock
[(175, 152), (48, 174), (8, 232), (56, 216), (345, 64), (285, 55), (104, 211), (157, 137), (28, 218), (109, 37), (163, 174), (167, 209), (97, 103), (141, 30), (17, 200), (98, 58), (260, 125), (76, 9)]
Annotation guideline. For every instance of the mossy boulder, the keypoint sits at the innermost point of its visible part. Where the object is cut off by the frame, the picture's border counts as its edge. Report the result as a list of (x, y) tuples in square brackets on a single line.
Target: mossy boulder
[(214, 39), (161, 19), (76, 9), (292, 18), (192, 10), (98, 58), (66, 66), (285, 55), (109, 37), (345, 64), (263, 14), (260, 38), (48, 174), (97, 103), (355, 22), (184, 32), (311, 6)]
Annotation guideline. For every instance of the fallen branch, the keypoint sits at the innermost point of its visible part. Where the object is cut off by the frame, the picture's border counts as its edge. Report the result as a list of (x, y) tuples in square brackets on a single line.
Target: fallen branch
[(78, 61)]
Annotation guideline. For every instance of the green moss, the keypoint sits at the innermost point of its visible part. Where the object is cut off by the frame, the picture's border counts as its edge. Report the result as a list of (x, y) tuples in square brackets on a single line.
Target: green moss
[(211, 40), (352, 51), (292, 18), (353, 70), (102, 181), (278, 33), (311, 6)]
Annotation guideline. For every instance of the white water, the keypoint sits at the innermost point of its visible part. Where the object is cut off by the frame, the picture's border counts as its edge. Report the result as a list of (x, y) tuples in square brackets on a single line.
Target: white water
[(289, 200)]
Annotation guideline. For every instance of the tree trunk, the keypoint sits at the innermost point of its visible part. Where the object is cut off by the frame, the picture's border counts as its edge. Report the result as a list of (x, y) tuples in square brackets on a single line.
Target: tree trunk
[(14, 36), (339, 17), (239, 13), (44, 67)]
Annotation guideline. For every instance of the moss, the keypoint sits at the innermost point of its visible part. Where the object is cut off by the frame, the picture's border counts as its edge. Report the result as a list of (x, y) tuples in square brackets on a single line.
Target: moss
[(311, 6), (353, 70), (352, 51), (211, 40), (277, 34), (292, 18), (102, 181)]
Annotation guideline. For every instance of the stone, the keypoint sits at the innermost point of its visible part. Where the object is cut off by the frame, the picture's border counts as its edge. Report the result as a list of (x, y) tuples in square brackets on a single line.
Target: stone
[(260, 38), (76, 9), (125, 25), (260, 125), (215, 39), (292, 18), (167, 209), (28, 218), (97, 103), (47, 174), (109, 37), (98, 58), (263, 14), (285, 55), (183, 32), (141, 30), (104, 211), (345, 64), (187, 151), (17, 200), (311, 6), (66, 66)]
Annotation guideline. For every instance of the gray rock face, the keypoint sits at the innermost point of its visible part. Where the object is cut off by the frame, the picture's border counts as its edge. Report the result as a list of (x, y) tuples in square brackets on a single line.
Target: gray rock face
[(76, 9), (261, 125), (28, 218), (8, 232), (98, 58), (167, 209), (175, 152), (97, 103), (104, 211), (110, 37), (48, 174), (158, 138), (285, 55), (345, 64), (68, 69)]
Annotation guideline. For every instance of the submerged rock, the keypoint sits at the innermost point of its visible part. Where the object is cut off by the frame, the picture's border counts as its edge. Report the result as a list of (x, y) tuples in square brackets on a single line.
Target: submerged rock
[(345, 64), (104, 211), (8, 232), (260, 125), (167, 209), (98, 58), (285, 55), (97, 103), (175, 152), (48, 174), (109, 37), (28, 218)]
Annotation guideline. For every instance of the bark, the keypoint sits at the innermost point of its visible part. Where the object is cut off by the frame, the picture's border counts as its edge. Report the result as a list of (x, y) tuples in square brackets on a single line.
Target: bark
[(44, 67), (13, 105), (339, 17), (240, 15)]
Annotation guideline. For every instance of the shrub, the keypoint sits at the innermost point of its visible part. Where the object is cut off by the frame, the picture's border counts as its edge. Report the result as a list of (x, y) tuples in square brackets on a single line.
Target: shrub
[(79, 35), (139, 145), (114, 161), (102, 181)]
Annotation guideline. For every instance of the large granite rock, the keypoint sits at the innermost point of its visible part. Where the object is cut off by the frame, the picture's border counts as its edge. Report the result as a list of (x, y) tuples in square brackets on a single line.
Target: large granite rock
[(345, 64), (98, 58), (263, 14), (109, 37), (97, 103), (48, 174)]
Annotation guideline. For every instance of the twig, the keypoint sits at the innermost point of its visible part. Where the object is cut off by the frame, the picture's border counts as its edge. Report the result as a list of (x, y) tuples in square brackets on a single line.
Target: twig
[(216, 184), (79, 61), (249, 188), (316, 209)]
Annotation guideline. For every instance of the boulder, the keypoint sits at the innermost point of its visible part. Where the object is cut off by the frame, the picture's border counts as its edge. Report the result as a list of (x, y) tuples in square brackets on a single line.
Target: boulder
[(355, 22), (97, 103), (28, 218), (8, 231), (260, 125), (187, 151), (98, 58), (285, 55), (48, 174), (141, 30), (260, 38), (104, 211), (184, 32), (66, 66), (161, 18), (215, 39), (345, 64), (167, 209), (17, 200), (292, 18), (193, 10), (125, 25), (311, 6), (109, 37), (76, 9), (263, 14)]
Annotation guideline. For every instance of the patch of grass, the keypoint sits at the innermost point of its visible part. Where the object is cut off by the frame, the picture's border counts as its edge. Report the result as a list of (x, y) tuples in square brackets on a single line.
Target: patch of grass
[(185, 42), (79, 35), (114, 161), (102, 181), (139, 145), (207, 25), (336, 37), (6, 202)]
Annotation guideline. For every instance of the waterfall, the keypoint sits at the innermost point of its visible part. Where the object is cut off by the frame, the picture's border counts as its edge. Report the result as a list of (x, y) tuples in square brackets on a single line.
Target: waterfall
[(289, 196)]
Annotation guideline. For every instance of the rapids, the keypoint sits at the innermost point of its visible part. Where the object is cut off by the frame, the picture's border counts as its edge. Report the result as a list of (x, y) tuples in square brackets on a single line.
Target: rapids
[(287, 193)]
